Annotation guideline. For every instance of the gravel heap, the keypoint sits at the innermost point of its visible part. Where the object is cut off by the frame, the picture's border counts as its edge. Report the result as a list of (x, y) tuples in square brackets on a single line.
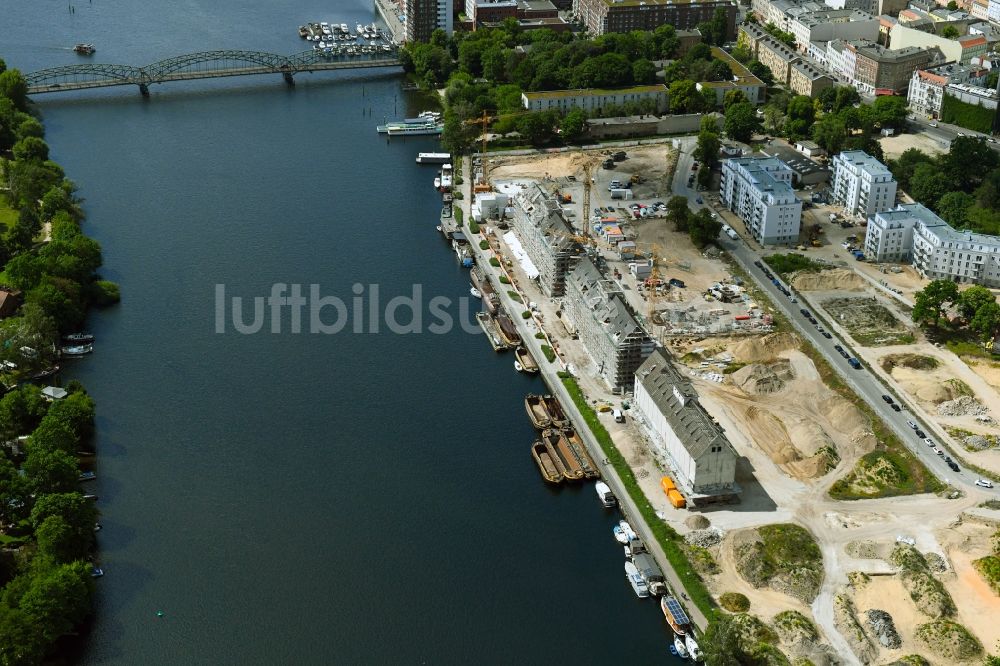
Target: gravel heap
[(697, 522), (704, 538), (883, 628), (936, 562), (961, 406), (977, 442), (863, 550)]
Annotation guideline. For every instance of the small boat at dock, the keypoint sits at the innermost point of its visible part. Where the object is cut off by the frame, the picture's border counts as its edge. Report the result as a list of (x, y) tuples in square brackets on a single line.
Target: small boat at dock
[(535, 406), (681, 649), (492, 303), (88, 476), (78, 338), (627, 530), (675, 615), (636, 581), (508, 331), (475, 292), (546, 465), (620, 535), (571, 466), (604, 494), (555, 411), (433, 158), (692, 647), (80, 350), (47, 372), (96, 572), (523, 361)]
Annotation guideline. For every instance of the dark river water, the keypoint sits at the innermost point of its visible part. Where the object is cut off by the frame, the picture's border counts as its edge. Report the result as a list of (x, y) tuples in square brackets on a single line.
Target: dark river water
[(301, 498)]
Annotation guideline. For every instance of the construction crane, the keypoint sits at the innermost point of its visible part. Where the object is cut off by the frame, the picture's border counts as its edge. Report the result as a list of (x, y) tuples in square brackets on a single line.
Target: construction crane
[(654, 282)]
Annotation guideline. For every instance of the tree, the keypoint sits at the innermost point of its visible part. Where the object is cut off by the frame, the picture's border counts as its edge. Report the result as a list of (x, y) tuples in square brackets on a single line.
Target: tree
[(685, 97), (31, 148), (927, 185), (733, 97), (774, 119), (21, 411), (761, 71), (967, 162), (707, 149), (678, 212), (57, 541), (723, 645), (643, 72), (830, 134), (889, 111), (52, 434), (930, 302), (903, 168), (538, 127), (51, 471), (741, 121), (986, 321), (573, 125), (15, 88), (77, 512), (21, 639), (59, 599), (954, 207), (972, 299), (704, 229), (30, 127), (950, 31)]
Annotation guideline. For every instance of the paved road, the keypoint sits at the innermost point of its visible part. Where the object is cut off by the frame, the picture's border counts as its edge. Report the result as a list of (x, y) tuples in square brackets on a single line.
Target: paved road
[(945, 133), (865, 383)]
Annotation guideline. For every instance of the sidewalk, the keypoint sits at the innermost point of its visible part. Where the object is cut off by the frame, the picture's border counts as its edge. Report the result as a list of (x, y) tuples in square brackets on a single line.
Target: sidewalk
[(527, 329)]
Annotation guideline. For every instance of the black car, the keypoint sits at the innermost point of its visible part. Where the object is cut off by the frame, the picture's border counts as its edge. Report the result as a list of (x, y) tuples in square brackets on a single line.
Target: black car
[(805, 313), (826, 334), (844, 354), (758, 264), (812, 320), (954, 467), (887, 398), (674, 282), (838, 348), (920, 433), (895, 407)]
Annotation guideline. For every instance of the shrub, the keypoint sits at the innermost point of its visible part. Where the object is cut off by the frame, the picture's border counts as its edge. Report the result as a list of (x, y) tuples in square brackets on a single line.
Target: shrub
[(526, 314), (494, 262), (484, 244), (504, 279), (549, 354), (734, 602)]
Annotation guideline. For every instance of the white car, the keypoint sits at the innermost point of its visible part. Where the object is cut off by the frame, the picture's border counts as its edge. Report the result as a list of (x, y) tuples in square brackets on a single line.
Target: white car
[(984, 483), (928, 441), (933, 124), (938, 451), (912, 424)]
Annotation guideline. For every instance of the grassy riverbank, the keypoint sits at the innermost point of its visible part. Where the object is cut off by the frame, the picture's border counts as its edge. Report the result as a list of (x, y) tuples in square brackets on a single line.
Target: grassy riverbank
[(668, 539)]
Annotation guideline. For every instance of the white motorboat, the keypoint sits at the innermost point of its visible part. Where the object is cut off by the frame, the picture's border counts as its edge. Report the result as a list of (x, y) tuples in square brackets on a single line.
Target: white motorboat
[(78, 338), (604, 494), (620, 535), (78, 350), (475, 292), (692, 647), (343, 27), (359, 28), (636, 581), (681, 649), (627, 531), (518, 366)]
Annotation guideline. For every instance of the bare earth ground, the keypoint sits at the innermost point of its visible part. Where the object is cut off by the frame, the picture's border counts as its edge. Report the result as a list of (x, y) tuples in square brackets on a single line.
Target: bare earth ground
[(893, 146), (777, 434)]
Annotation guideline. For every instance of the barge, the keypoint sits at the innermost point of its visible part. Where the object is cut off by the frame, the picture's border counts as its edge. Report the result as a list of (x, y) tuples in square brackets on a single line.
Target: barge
[(572, 470), (590, 470), (555, 411), (508, 331), (523, 361), (488, 324), (546, 465), (535, 406)]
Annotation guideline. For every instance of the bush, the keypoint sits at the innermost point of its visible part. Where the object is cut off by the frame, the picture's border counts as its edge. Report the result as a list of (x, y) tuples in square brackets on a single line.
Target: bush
[(786, 264), (526, 314), (104, 293), (549, 354), (504, 279), (734, 602), (494, 262), (539, 336), (484, 244)]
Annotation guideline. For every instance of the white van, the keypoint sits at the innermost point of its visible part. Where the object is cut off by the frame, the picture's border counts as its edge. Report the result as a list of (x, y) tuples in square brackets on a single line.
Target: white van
[(619, 417)]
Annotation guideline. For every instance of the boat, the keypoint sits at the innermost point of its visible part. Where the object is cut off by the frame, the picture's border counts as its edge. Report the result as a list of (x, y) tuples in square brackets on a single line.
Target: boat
[(444, 179), (88, 476), (488, 324), (627, 529), (620, 535), (636, 581), (475, 292), (432, 115), (303, 31), (80, 350), (555, 411), (96, 572), (78, 338), (343, 28), (679, 646), (47, 372), (524, 361), (481, 282), (571, 466), (675, 615), (85, 49), (673, 650), (647, 568), (692, 647), (359, 28), (97, 527), (507, 330), (535, 406), (590, 470), (492, 303), (545, 463), (418, 126), (604, 494), (433, 158)]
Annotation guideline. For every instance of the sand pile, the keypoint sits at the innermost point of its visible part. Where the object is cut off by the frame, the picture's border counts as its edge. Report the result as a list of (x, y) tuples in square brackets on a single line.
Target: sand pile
[(764, 348), (842, 414), (839, 279), (697, 522), (758, 379)]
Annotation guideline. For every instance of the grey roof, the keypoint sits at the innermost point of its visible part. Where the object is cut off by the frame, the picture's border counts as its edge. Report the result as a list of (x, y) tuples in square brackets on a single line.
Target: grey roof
[(865, 162), (545, 213), (605, 301), (696, 430), (796, 161)]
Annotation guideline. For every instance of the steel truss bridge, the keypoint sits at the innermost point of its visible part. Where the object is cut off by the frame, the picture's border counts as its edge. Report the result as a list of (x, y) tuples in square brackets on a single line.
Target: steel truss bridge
[(205, 65)]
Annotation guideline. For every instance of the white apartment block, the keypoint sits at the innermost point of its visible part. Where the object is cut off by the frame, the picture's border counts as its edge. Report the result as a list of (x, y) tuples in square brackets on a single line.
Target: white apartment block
[(862, 184), (759, 190), (927, 87), (938, 252), (832, 24), (993, 11)]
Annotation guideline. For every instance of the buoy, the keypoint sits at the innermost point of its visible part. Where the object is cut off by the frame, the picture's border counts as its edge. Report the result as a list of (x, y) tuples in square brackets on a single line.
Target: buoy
[(159, 613)]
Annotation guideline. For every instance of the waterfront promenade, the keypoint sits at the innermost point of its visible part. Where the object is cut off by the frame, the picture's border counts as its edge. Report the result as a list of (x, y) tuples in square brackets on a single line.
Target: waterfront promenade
[(527, 329)]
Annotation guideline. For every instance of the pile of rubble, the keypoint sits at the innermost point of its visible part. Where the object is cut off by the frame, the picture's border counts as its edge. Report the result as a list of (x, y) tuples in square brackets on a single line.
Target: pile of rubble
[(961, 406), (883, 628), (978, 442), (704, 538), (936, 562)]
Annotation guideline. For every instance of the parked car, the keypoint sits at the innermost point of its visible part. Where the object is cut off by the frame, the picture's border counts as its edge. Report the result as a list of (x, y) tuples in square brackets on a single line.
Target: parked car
[(838, 348), (954, 467), (984, 483), (674, 282), (938, 451), (699, 200), (912, 424), (805, 313), (887, 398), (920, 433), (895, 407), (928, 441)]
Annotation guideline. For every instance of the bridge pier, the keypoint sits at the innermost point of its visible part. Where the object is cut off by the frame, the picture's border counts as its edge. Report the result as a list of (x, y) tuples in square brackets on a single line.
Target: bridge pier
[(144, 90), (289, 79)]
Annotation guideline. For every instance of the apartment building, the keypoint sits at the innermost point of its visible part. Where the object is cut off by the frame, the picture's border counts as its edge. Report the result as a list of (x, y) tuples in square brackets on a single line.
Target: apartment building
[(759, 191), (603, 16), (597, 309), (927, 87), (962, 49), (912, 232), (423, 17), (593, 99), (862, 184), (743, 80), (805, 78), (545, 236), (823, 26)]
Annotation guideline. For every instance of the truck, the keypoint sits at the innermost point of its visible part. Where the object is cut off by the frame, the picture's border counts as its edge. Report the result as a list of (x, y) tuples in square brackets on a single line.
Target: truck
[(859, 255)]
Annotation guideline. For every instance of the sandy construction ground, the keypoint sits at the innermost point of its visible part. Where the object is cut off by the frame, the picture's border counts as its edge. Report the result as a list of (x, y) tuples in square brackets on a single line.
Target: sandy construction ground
[(893, 146)]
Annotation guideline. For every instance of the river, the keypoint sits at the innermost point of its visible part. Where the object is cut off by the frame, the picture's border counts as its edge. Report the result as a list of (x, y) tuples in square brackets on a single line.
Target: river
[(300, 498)]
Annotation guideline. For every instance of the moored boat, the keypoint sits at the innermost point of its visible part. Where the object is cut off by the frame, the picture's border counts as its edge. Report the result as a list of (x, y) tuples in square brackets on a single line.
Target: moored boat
[(96, 572), (692, 647), (636, 581), (675, 615), (620, 535), (534, 405), (580, 449), (489, 327), (78, 338), (433, 158), (555, 411), (545, 463), (604, 494), (79, 350), (475, 292), (47, 372), (88, 476), (573, 471), (523, 359), (679, 646), (508, 331), (627, 530), (492, 303)]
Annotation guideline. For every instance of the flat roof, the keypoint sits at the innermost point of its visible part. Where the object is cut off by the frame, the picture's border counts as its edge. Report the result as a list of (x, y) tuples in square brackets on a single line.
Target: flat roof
[(796, 161), (659, 3), (594, 92)]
